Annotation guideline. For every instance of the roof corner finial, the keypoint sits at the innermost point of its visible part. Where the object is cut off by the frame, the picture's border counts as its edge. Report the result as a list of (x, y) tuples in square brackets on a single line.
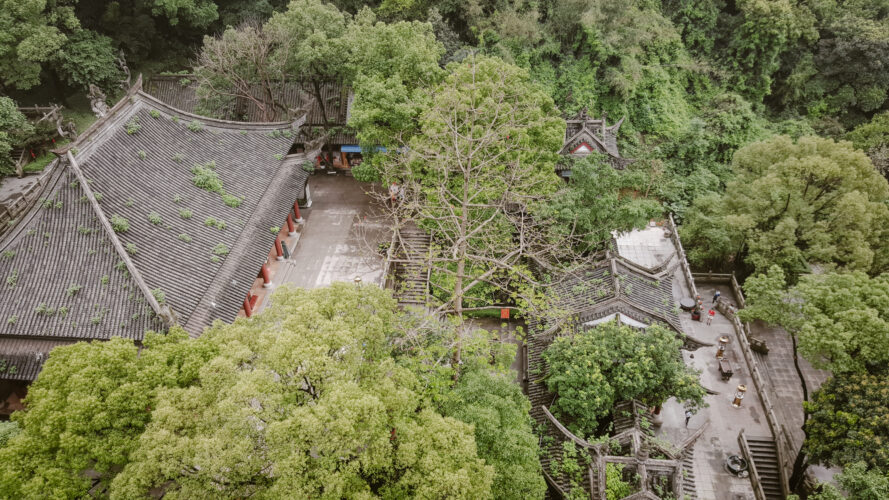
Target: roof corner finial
[(583, 114)]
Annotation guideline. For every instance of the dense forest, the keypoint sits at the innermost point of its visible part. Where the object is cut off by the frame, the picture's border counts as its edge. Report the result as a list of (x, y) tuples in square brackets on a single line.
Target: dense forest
[(762, 126)]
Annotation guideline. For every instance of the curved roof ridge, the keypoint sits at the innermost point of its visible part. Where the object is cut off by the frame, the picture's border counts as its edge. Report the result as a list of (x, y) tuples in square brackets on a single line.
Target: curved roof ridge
[(564, 430), (219, 123), (124, 102), (649, 272)]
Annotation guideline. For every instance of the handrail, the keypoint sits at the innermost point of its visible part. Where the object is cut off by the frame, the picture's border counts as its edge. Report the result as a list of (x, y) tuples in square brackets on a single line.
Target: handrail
[(758, 491), (683, 261), (742, 330)]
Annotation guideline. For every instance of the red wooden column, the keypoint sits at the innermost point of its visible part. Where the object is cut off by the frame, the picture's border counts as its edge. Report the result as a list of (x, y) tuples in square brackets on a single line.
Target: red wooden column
[(296, 211), (266, 276), (279, 250), (248, 309), (291, 227)]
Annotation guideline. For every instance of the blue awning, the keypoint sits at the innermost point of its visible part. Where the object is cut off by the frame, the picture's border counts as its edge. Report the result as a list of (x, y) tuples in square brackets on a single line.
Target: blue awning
[(354, 148)]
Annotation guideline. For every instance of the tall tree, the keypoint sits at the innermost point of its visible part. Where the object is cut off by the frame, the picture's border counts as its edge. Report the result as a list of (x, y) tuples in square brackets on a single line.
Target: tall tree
[(841, 319), (304, 401), (849, 422), (600, 199), (33, 32), (873, 138), (857, 482), (14, 128), (793, 203), (481, 162), (498, 411), (86, 411), (246, 62)]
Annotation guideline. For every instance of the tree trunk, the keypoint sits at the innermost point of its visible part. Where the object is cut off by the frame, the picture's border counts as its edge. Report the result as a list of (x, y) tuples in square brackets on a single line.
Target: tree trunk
[(461, 271), (316, 90), (799, 464)]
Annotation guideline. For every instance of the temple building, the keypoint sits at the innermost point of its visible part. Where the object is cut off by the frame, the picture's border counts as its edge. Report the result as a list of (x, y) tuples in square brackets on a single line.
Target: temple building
[(585, 135), (639, 285), (341, 151), (153, 217)]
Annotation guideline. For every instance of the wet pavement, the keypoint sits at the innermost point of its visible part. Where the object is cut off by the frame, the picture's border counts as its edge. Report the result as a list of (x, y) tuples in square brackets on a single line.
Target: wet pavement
[(340, 237)]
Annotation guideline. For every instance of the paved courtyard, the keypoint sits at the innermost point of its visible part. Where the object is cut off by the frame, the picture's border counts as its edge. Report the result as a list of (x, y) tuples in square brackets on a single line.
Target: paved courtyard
[(340, 237), (723, 422)]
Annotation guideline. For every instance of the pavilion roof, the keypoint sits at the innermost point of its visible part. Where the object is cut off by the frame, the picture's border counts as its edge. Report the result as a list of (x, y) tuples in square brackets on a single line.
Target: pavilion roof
[(191, 247)]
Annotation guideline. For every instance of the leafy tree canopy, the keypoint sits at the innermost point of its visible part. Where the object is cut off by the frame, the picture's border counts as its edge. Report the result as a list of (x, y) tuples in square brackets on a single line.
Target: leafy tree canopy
[(33, 32), (495, 406), (590, 371), (849, 422), (792, 203), (873, 138), (600, 199), (328, 393), (857, 482), (14, 129), (88, 58), (841, 319), (87, 410)]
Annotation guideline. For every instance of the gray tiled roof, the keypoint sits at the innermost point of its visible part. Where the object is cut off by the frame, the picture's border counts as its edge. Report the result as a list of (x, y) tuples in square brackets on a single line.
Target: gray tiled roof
[(22, 359), (612, 286), (179, 91), (65, 243), (53, 249)]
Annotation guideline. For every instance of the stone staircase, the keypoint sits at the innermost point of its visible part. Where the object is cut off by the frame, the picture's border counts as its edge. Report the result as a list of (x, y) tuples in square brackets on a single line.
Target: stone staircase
[(764, 455), (409, 267), (689, 489)]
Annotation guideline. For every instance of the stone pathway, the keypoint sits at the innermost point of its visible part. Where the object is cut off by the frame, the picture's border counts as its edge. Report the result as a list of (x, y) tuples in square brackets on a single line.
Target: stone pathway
[(724, 422), (340, 237)]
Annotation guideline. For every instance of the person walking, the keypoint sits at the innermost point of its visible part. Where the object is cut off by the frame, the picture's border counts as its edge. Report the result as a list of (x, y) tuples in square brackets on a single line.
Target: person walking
[(688, 415), (393, 192), (710, 314), (716, 296)]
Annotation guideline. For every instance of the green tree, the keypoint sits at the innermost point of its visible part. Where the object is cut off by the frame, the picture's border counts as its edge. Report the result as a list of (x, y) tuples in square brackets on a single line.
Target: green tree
[(389, 66), (840, 319), (305, 401), (849, 422), (87, 409), (858, 482), (14, 129), (873, 138), (246, 63), (33, 32), (838, 73), (600, 199), (8, 430), (760, 32), (498, 411), (591, 370), (483, 158), (88, 58), (793, 203)]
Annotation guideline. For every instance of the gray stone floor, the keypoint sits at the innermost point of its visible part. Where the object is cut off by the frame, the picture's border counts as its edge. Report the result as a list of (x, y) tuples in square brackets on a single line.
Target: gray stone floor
[(724, 422), (778, 367), (339, 239), (647, 247)]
